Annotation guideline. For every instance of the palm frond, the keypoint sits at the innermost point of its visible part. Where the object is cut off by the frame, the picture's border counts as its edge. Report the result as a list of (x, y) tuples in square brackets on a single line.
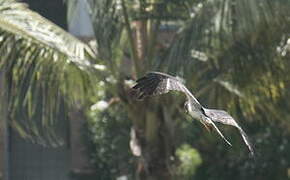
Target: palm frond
[(18, 19), (107, 23), (239, 40), (46, 70)]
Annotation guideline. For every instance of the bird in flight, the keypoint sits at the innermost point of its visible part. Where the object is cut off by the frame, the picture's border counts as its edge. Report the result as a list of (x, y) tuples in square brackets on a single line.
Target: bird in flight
[(157, 83)]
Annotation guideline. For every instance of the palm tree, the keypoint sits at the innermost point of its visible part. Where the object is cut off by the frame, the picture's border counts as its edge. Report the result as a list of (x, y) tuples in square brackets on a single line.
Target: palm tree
[(231, 53), (226, 51), (42, 69)]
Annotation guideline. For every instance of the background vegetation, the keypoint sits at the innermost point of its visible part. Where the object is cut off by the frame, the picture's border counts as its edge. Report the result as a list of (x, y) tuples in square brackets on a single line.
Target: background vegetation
[(233, 54)]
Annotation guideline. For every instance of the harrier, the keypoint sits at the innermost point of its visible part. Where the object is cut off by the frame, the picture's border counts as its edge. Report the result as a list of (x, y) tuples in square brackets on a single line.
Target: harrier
[(156, 83)]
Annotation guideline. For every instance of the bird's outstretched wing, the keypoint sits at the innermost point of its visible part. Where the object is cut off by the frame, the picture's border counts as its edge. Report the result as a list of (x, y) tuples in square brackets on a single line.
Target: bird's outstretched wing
[(224, 118), (156, 83)]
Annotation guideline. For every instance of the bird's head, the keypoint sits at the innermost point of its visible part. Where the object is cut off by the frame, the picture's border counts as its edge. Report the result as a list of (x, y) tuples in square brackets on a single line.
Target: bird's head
[(186, 106)]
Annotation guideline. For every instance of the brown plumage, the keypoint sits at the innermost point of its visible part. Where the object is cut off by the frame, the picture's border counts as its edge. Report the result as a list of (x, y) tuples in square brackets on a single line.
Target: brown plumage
[(157, 83)]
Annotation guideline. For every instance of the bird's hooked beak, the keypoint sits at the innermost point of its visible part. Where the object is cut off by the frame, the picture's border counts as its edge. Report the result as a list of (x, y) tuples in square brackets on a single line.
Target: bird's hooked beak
[(185, 107)]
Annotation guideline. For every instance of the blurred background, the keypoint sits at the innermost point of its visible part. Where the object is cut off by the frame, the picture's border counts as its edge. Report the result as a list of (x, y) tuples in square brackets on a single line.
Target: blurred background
[(66, 69)]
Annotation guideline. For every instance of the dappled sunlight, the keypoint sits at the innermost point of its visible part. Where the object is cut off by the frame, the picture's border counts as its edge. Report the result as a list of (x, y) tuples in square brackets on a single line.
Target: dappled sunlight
[(81, 96)]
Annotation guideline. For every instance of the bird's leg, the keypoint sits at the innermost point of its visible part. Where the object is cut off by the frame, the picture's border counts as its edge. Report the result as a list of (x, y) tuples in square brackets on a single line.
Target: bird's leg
[(207, 127)]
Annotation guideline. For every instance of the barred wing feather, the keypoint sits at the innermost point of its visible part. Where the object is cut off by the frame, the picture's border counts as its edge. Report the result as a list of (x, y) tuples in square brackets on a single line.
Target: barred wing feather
[(223, 117), (156, 83)]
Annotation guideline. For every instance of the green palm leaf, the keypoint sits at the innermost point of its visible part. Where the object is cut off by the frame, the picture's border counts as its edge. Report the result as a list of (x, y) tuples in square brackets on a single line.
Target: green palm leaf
[(46, 70), (232, 39)]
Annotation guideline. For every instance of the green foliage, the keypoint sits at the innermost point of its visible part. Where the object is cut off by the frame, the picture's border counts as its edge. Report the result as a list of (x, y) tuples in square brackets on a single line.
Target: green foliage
[(234, 54), (234, 61), (272, 159), (46, 70), (189, 161), (109, 135)]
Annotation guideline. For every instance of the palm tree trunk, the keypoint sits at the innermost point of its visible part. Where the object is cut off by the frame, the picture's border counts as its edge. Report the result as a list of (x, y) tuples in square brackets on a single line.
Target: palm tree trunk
[(155, 142), (141, 39), (150, 127)]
